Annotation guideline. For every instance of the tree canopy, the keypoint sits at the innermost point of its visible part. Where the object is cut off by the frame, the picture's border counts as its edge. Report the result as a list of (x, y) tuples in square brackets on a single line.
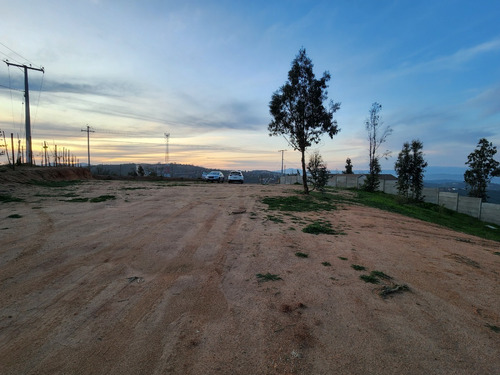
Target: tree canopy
[(410, 168), (482, 167), (298, 109)]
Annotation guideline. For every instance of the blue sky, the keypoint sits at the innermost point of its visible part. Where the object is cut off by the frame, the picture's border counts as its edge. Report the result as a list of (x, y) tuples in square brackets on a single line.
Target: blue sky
[(204, 71)]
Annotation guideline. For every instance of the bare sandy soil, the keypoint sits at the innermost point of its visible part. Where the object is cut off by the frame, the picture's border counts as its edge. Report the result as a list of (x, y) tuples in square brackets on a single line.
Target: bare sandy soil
[(162, 280)]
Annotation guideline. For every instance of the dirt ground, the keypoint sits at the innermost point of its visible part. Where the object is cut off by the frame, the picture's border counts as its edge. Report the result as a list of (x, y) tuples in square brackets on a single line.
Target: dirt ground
[(162, 280)]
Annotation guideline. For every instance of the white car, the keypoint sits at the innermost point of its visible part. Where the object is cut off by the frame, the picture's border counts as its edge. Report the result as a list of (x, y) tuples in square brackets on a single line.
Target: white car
[(215, 176), (235, 176)]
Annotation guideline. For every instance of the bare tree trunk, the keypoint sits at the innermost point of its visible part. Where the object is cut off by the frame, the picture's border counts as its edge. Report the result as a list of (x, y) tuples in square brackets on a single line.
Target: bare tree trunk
[(304, 175)]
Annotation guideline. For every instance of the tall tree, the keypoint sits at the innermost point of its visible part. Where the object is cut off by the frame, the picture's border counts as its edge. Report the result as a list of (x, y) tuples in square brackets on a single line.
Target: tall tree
[(403, 170), (410, 168), (482, 167), (376, 136), (418, 165), (298, 111), (348, 166)]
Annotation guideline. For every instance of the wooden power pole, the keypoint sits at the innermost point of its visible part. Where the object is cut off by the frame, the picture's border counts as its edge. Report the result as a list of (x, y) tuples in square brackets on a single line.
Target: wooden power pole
[(29, 150)]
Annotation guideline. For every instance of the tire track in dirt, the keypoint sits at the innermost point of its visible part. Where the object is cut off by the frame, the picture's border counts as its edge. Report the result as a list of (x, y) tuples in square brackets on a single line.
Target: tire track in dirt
[(79, 293), (145, 304)]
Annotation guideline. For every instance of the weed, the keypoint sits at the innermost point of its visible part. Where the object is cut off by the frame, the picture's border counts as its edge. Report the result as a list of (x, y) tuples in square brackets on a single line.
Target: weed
[(342, 258), (326, 264), (493, 328), (369, 279), (291, 228), (358, 267), (267, 277), (9, 198), (497, 253), (102, 198), (380, 275), (301, 255), (14, 216)]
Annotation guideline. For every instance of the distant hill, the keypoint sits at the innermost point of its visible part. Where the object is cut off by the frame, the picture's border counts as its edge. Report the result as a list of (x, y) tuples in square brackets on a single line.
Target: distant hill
[(175, 170)]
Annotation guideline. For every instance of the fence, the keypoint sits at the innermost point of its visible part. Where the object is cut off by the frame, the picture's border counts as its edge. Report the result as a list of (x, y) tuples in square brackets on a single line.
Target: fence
[(474, 207)]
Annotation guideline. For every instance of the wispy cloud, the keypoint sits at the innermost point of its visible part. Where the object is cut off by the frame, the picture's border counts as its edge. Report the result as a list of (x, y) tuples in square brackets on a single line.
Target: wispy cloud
[(455, 60)]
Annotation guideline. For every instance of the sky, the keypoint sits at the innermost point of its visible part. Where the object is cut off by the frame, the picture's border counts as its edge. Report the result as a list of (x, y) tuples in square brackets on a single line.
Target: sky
[(204, 73)]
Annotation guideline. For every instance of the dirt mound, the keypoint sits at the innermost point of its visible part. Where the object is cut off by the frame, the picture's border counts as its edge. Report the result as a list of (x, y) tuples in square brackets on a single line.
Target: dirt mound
[(26, 174)]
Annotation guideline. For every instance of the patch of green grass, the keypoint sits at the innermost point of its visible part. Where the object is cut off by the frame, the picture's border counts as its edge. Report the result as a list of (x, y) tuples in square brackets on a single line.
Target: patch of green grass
[(78, 200), (54, 184), (320, 226), (102, 198), (14, 216), (326, 264), (69, 195), (357, 267), (302, 203), (133, 188), (4, 198), (275, 219), (267, 277), (369, 279), (342, 258), (497, 253), (301, 255), (428, 212)]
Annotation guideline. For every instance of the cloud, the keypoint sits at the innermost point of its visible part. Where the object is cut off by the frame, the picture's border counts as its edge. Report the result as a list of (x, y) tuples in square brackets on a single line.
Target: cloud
[(455, 60), (487, 101)]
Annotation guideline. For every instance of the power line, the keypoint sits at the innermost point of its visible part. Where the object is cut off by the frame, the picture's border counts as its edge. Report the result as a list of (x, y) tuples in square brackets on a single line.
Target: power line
[(11, 50)]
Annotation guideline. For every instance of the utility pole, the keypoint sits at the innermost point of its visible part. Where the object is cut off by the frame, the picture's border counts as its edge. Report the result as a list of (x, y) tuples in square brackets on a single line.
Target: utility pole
[(282, 156), (29, 151), (88, 142)]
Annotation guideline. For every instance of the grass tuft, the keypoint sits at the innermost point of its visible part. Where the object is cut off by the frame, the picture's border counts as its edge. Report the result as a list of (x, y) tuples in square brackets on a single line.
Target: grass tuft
[(357, 267), (4, 198), (14, 216), (267, 277), (301, 255), (102, 198), (326, 264), (493, 328), (369, 279)]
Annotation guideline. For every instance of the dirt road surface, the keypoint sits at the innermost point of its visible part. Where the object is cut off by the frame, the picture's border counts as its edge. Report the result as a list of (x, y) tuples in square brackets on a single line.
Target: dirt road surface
[(162, 280)]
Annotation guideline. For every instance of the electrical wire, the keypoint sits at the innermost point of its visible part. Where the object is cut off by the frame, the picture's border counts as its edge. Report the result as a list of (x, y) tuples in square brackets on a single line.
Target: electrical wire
[(38, 101), (11, 50)]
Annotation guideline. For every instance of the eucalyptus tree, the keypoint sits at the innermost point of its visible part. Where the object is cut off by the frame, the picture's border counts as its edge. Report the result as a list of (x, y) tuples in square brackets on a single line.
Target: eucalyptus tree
[(298, 109)]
